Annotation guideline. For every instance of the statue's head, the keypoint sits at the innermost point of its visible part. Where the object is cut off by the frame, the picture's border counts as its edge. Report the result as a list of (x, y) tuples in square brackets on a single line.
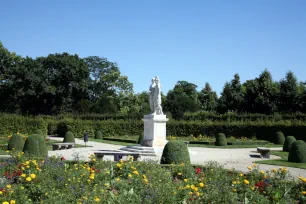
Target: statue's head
[(156, 79)]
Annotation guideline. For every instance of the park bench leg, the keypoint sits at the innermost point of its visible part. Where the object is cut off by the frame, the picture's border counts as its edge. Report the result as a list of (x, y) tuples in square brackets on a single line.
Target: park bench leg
[(266, 155), (136, 157), (117, 157)]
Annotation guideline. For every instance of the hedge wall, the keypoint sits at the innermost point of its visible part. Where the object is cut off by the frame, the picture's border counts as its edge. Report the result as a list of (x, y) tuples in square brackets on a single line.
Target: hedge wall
[(261, 129), (10, 123)]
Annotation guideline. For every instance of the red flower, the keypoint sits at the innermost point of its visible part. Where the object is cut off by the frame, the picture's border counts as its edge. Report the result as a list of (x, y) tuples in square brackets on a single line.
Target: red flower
[(62, 158), (198, 170)]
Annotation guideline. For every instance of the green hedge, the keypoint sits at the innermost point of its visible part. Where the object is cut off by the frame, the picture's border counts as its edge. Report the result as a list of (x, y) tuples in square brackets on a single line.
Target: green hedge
[(264, 130), (11, 123)]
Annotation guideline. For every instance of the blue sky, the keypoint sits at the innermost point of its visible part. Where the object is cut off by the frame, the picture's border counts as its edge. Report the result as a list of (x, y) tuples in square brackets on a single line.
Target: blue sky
[(198, 41)]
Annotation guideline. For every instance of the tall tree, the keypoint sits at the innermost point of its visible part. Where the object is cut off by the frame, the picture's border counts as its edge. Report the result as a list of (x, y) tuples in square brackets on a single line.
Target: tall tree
[(208, 98), (232, 96), (288, 96)]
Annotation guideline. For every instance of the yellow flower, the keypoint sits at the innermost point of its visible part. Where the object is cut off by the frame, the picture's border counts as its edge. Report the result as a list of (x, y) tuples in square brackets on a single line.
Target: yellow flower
[(188, 186), (185, 180), (97, 199), (92, 176), (135, 172), (21, 187), (197, 193), (234, 190), (201, 185), (33, 176), (262, 172), (252, 188), (8, 186), (144, 176), (146, 181), (192, 187), (241, 175), (249, 168), (12, 201), (303, 192), (196, 189), (254, 165), (274, 170), (179, 174), (28, 179), (117, 179), (130, 175), (234, 182), (5, 202), (190, 193), (246, 182)]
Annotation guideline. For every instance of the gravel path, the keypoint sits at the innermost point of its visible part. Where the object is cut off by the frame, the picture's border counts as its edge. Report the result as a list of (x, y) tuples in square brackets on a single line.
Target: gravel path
[(238, 159)]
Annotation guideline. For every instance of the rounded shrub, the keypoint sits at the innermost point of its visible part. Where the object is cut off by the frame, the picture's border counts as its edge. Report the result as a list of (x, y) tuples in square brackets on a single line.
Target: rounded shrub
[(140, 138), (69, 137), (98, 135), (35, 145), (16, 143), (280, 138), (297, 152), (288, 143), (175, 152), (38, 132), (221, 140)]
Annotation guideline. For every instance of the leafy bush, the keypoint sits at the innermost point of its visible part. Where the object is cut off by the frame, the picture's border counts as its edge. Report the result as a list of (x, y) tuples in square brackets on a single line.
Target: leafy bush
[(140, 138), (69, 137), (288, 143), (16, 142), (221, 140), (61, 129), (35, 146), (297, 152), (280, 138), (175, 152), (98, 135)]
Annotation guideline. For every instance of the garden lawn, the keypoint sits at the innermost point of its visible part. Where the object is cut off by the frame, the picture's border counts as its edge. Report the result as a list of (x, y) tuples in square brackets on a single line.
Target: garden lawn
[(283, 161)]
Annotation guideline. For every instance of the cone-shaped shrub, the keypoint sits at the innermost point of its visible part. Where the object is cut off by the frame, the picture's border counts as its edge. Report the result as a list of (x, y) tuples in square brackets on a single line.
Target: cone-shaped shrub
[(280, 138), (35, 145), (16, 142), (98, 135), (175, 152), (69, 137), (221, 140), (298, 152), (140, 138), (288, 143)]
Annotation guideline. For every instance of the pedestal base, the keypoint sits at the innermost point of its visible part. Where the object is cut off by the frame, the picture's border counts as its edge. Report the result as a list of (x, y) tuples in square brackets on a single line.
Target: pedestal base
[(154, 131)]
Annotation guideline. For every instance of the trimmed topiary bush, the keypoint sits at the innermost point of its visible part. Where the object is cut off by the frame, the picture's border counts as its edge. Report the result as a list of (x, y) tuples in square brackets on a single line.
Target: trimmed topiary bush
[(288, 143), (35, 145), (69, 137), (280, 138), (98, 135), (297, 152), (221, 140), (38, 132), (16, 142), (175, 152), (140, 138)]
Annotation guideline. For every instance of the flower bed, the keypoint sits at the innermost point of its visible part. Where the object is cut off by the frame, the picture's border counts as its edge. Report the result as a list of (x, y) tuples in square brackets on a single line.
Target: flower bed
[(55, 180)]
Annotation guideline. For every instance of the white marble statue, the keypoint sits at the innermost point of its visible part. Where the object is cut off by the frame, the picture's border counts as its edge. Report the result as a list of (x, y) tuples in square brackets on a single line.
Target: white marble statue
[(155, 97)]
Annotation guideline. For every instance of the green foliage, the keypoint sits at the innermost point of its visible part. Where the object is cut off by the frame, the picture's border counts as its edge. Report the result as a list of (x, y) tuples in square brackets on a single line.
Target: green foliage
[(140, 138), (288, 143), (175, 152), (11, 123), (62, 128), (280, 138), (69, 137), (35, 146), (98, 135), (297, 152), (221, 139), (16, 142)]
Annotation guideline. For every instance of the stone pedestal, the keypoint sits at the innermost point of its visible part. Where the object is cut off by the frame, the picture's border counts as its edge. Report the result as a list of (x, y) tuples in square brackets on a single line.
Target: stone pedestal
[(154, 131)]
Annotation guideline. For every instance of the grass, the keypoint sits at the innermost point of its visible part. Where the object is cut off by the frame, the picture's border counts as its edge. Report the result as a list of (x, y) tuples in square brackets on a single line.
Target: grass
[(113, 142), (283, 161)]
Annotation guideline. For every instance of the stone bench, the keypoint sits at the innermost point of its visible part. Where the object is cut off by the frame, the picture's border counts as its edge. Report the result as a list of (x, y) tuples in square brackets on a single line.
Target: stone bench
[(59, 146), (118, 154), (264, 152)]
